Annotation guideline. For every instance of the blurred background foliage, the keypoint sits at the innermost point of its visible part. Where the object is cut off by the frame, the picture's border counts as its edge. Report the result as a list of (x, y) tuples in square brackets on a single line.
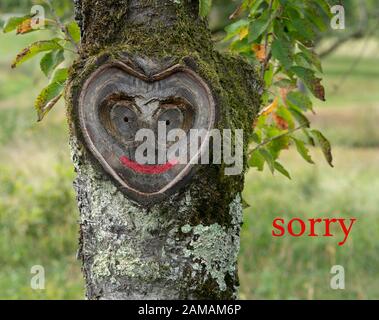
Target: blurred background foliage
[(63, 7), (38, 213)]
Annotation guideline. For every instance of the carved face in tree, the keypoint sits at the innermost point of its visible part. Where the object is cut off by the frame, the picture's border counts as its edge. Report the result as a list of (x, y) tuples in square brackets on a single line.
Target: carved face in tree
[(118, 100)]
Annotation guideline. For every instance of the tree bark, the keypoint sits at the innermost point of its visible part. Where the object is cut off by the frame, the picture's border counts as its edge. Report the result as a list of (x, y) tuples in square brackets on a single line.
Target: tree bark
[(185, 246)]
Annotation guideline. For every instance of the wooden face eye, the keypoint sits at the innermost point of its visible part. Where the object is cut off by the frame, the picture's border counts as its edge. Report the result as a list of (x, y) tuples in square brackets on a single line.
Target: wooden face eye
[(120, 118), (172, 117), (176, 113), (125, 120)]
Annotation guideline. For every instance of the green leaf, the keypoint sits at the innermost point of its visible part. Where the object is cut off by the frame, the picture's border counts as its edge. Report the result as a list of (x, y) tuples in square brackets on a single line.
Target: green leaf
[(205, 7), (300, 28), (311, 57), (300, 100), (302, 61), (14, 22), (284, 113), (300, 117), (269, 75), (50, 95), (254, 5), (60, 75), (317, 17), (268, 158), (282, 51), (74, 31), (34, 49), (325, 146), (241, 47), (309, 138), (257, 136), (285, 83), (259, 26), (325, 7), (280, 141), (234, 29), (304, 28), (257, 160), (303, 150), (284, 2), (311, 81), (51, 61), (281, 169)]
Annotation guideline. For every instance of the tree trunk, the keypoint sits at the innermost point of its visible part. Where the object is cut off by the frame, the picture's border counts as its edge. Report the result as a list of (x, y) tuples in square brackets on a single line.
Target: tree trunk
[(183, 244)]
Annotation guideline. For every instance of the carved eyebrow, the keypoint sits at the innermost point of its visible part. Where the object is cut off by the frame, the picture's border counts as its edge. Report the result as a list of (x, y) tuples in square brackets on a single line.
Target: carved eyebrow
[(151, 100), (175, 100), (118, 96), (170, 99)]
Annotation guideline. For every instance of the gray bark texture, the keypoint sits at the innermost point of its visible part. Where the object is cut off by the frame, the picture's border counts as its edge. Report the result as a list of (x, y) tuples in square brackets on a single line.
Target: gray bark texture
[(186, 246)]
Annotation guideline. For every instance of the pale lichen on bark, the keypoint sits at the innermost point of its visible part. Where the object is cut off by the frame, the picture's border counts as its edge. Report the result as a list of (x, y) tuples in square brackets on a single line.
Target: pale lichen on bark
[(131, 252), (215, 248)]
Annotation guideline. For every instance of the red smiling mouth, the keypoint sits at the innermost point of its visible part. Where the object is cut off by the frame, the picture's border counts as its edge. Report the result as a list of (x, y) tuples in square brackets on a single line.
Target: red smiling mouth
[(148, 169)]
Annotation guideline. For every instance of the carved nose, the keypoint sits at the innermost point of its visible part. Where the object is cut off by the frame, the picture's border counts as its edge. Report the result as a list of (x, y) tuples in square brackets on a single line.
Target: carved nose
[(148, 110)]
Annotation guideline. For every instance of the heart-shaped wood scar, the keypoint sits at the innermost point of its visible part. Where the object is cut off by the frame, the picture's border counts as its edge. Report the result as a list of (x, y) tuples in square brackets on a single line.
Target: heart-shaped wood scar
[(117, 101)]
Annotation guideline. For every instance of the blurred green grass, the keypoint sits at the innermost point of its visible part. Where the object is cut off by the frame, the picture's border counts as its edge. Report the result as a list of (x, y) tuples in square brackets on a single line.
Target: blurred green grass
[(38, 212), (298, 268)]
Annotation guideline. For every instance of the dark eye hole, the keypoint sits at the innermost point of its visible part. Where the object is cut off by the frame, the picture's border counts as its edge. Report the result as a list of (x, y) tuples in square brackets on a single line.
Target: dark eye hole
[(176, 113), (119, 115)]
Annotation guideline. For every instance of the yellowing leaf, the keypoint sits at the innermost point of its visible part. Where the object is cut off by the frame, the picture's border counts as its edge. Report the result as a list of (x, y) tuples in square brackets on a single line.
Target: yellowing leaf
[(25, 27), (14, 22), (34, 49), (50, 95), (280, 121), (325, 146), (260, 51), (283, 93), (243, 33), (270, 108), (311, 81)]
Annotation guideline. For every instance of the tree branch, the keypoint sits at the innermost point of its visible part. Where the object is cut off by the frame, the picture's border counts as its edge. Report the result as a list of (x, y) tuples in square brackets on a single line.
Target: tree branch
[(339, 42), (277, 137), (268, 55), (62, 26), (357, 34)]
